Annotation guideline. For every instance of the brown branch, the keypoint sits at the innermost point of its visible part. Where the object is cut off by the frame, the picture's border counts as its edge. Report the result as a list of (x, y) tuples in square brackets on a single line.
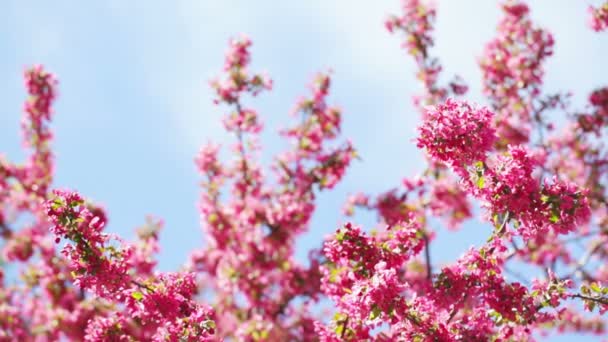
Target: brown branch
[(427, 256), (142, 285), (243, 152), (602, 301), (500, 231), (5, 231), (344, 326), (456, 309), (583, 261)]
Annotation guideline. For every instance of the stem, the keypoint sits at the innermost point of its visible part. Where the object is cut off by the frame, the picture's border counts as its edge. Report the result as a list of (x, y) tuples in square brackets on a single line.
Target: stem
[(602, 301), (500, 231), (243, 152), (503, 225), (5, 231), (517, 276), (344, 326), (583, 261), (581, 237), (427, 256), (456, 309), (141, 285)]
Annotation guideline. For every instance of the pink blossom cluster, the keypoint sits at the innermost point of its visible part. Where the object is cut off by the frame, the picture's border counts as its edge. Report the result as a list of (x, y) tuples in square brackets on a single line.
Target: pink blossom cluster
[(457, 133), (238, 81), (512, 67), (364, 277), (416, 25), (596, 119), (441, 197), (251, 230), (598, 19), (161, 303), (94, 262)]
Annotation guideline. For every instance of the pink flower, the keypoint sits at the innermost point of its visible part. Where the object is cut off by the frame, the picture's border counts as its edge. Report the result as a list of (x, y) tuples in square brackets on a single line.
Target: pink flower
[(457, 133), (598, 19)]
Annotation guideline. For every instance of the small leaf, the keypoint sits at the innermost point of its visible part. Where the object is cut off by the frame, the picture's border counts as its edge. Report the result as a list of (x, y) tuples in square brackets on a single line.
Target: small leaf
[(137, 295), (375, 312), (264, 334), (340, 236), (339, 329), (285, 266), (339, 317), (208, 325), (481, 182), (554, 218)]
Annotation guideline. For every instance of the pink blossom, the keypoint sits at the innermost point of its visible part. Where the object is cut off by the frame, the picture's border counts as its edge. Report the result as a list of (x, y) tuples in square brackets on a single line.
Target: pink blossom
[(598, 19), (457, 133)]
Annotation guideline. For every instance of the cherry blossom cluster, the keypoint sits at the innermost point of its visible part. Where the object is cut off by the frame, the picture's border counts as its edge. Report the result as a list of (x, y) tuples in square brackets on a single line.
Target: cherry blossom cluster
[(598, 19), (512, 67), (97, 288), (251, 223), (160, 303), (457, 133), (434, 193), (96, 264), (596, 119), (363, 276), (416, 25), (506, 182)]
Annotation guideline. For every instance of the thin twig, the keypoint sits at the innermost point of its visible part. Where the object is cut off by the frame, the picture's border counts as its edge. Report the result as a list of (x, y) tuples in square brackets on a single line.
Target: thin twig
[(344, 326), (427, 256), (583, 261), (456, 309), (602, 301)]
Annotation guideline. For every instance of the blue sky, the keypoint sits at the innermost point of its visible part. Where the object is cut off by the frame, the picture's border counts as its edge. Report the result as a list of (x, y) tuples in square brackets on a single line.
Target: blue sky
[(135, 106)]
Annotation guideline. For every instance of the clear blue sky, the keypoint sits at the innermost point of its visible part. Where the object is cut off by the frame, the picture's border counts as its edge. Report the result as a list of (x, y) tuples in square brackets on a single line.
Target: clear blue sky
[(135, 107)]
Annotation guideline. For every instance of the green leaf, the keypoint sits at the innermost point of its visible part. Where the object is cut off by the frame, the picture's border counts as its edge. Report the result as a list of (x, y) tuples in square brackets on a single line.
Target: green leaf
[(137, 295), (264, 334), (338, 316), (340, 236), (595, 287), (375, 312), (208, 324), (481, 182), (554, 218), (285, 266), (339, 329)]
